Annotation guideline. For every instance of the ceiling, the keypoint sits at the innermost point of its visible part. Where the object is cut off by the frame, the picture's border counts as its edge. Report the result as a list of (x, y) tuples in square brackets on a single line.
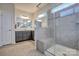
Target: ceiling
[(29, 7)]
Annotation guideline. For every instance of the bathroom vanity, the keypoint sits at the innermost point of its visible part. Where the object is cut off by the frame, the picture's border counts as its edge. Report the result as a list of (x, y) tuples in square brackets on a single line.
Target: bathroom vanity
[(24, 35)]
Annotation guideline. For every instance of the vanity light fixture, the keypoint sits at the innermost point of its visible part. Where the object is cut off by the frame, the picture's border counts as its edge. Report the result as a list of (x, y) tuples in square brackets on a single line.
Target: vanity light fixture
[(24, 17), (29, 21), (39, 20)]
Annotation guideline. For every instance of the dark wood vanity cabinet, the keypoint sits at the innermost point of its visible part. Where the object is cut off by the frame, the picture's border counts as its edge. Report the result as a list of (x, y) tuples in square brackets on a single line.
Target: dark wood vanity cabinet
[(18, 35), (24, 35)]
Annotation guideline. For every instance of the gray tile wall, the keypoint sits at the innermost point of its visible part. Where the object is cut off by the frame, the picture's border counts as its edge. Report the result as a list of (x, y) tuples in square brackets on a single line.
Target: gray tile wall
[(64, 31)]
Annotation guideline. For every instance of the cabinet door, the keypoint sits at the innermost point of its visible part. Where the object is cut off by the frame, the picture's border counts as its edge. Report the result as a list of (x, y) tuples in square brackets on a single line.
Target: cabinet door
[(16, 36), (24, 35), (28, 34), (20, 36)]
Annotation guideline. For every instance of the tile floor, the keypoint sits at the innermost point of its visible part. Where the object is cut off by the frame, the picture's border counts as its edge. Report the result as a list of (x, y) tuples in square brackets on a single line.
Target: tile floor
[(26, 48)]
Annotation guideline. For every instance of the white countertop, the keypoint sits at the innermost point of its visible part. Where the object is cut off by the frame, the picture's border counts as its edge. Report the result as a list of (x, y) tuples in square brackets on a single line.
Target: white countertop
[(23, 29)]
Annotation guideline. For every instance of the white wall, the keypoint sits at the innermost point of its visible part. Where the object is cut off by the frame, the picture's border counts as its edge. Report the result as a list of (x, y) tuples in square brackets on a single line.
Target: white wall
[(20, 12)]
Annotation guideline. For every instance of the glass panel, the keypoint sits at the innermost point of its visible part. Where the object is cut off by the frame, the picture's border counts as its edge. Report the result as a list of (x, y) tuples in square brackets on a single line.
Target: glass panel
[(65, 34), (57, 14), (61, 7), (77, 8), (37, 24), (66, 12)]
